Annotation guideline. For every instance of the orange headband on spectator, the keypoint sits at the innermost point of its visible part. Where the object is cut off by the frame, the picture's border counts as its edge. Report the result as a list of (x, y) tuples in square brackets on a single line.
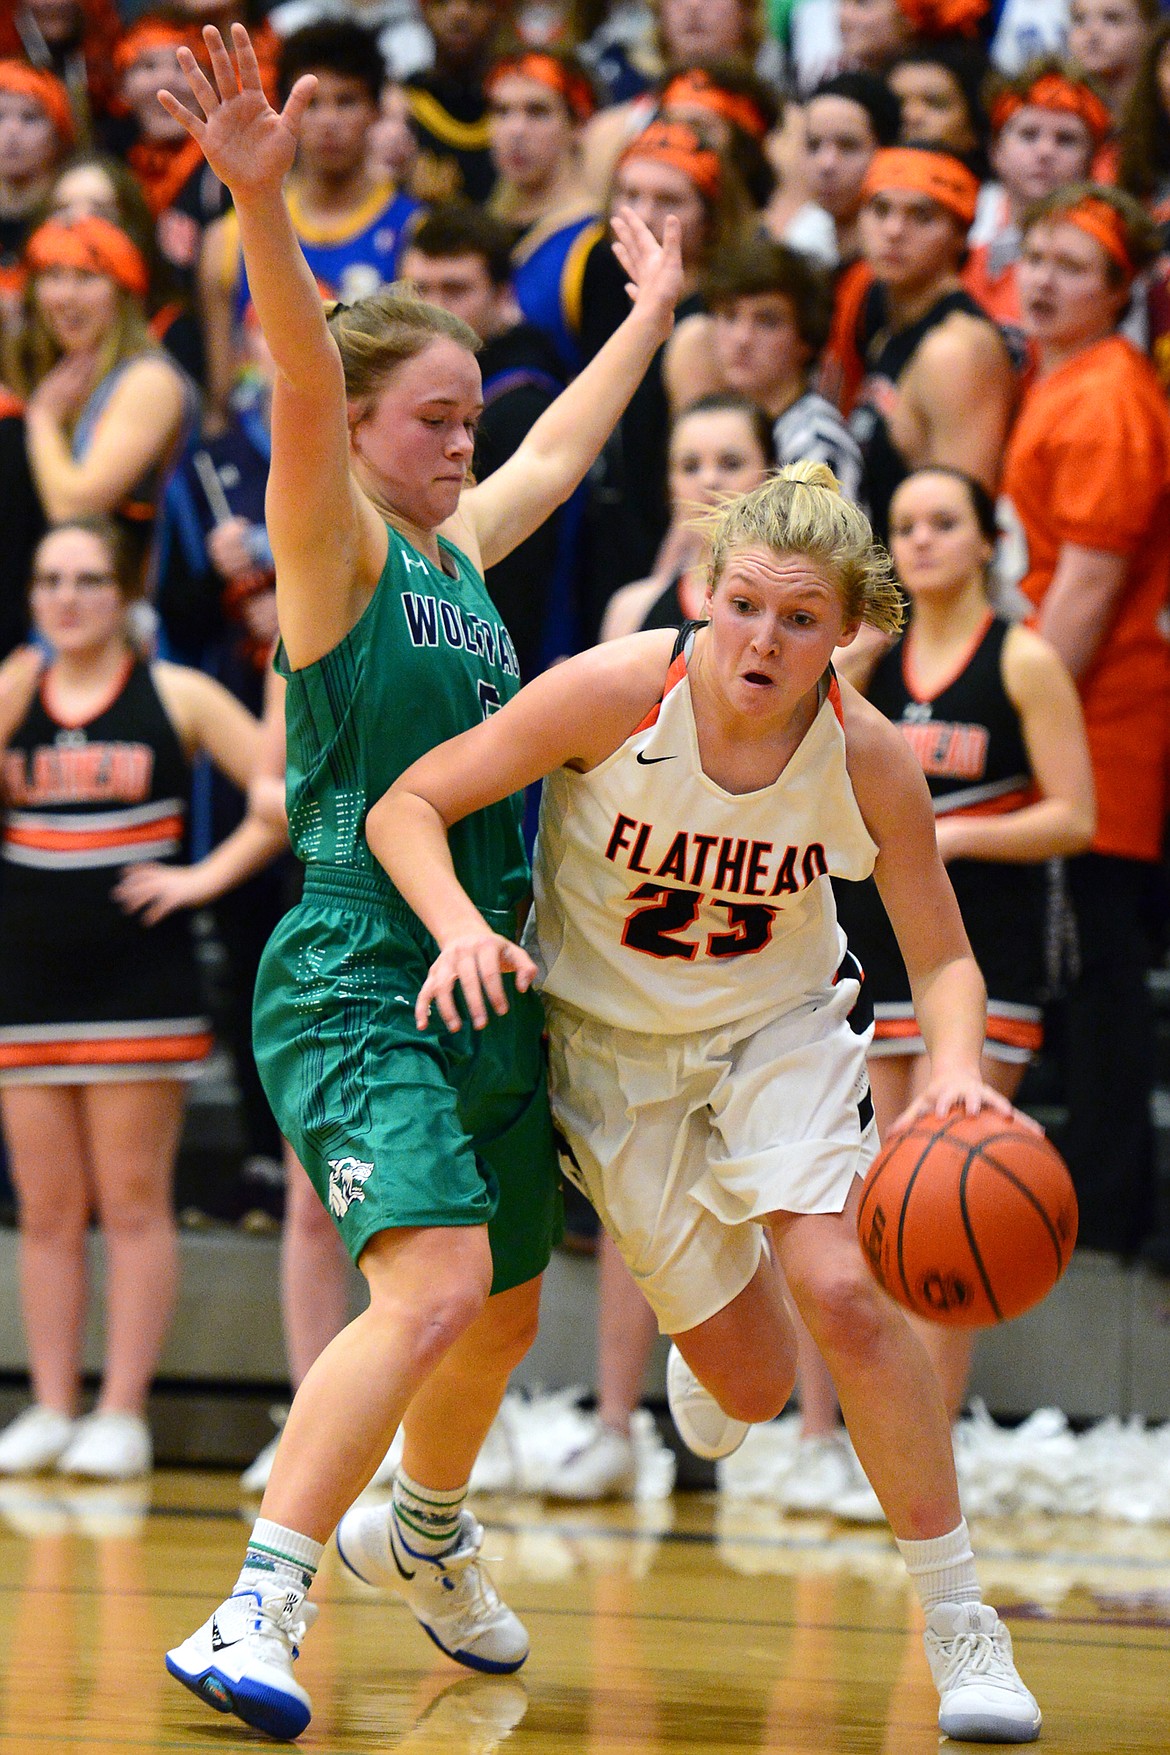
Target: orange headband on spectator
[(1105, 224), (148, 34), (1052, 91), (677, 144), (943, 178), (91, 244), (45, 89), (944, 18), (698, 88), (547, 70)]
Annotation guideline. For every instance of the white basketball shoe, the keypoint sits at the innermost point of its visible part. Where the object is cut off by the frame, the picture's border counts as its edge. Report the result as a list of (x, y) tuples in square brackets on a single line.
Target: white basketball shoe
[(701, 1423), (452, 1597), (981, 1696), (241, 1660)]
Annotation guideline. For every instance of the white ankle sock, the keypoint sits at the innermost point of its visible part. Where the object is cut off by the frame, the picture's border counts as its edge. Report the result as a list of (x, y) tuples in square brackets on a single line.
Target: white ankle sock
[(279, 1555), (428, 1517), (943, 1569)]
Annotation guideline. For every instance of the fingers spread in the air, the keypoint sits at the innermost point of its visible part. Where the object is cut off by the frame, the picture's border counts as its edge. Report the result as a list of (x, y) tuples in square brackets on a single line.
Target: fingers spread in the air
[(298, 101), (194, 125), (221, 63), (246, 60), (204, 92)]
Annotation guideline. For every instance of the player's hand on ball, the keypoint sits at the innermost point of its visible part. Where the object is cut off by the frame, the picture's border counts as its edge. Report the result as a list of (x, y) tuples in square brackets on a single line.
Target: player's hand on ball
[(965, 1091), (476, 962)]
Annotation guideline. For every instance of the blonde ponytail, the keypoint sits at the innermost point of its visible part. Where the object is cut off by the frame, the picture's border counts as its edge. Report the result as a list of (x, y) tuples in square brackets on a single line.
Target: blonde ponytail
[(801, 510)]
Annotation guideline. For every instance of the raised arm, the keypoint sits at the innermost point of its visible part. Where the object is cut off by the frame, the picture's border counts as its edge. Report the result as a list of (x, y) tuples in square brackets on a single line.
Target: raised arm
[(328, 542), (1062, 819), (564, 442)]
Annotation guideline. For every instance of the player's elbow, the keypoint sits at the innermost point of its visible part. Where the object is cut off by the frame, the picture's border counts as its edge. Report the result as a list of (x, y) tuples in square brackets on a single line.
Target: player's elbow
[(1080, 825)]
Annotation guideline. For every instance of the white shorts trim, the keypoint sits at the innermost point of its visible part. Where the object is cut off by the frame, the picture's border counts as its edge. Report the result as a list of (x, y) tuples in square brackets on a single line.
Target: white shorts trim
[(685, 1143)]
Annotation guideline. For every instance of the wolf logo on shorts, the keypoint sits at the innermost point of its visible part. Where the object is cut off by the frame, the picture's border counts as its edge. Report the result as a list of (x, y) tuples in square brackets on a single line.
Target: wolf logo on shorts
[(346, 1176)]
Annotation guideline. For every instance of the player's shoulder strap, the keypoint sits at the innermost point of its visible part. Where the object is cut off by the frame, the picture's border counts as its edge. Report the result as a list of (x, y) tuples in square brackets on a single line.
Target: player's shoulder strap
[(684, 644)]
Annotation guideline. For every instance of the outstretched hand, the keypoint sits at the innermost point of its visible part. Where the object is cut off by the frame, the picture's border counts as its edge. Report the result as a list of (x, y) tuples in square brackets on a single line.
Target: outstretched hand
[(247, 143), (655, 269), (475, 962)]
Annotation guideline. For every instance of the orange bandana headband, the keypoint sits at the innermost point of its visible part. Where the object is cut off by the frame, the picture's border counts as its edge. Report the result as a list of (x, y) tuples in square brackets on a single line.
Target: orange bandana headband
[(938, 175), (698, 88), (676, 144), (45, 89), (144, 37), (1100, 221), (547, 70), (91, 244), (1052, 91), (944, 18)]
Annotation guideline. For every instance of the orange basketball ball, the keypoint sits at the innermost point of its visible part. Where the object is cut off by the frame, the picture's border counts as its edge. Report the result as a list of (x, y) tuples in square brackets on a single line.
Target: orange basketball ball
[(968, 1219)]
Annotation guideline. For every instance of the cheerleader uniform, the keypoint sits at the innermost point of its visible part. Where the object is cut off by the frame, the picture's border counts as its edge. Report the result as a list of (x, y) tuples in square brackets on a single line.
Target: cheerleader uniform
[(89, 992), (967, 737)]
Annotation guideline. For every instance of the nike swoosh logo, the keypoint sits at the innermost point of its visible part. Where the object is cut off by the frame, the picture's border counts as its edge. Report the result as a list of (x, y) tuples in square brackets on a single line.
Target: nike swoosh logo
[(648, 761), (218, 1642), (394, 1556)]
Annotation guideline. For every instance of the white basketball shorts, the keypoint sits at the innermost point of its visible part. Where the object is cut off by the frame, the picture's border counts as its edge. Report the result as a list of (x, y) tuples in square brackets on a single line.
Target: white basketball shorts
[(684, 1143)]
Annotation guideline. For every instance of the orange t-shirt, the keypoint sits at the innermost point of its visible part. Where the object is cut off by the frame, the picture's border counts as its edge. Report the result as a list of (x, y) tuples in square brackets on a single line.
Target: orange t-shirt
[(1088, 462)]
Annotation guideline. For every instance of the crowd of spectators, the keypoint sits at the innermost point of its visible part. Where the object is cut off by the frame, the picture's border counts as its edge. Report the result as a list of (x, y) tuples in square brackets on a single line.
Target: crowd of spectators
[(913, 231)]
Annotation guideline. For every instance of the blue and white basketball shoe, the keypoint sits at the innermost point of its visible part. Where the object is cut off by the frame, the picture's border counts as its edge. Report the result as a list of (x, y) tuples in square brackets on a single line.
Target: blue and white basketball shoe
[(241, 1660), (452, 1597)]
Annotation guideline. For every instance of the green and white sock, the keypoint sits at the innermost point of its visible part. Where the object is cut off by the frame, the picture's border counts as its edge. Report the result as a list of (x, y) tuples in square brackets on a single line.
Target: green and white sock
[(278, 1556), (428, 1517), (943, 1569)]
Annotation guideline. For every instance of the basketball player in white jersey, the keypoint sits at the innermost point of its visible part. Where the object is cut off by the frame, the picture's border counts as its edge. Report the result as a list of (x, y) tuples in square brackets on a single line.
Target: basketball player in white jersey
[(707, 1041)]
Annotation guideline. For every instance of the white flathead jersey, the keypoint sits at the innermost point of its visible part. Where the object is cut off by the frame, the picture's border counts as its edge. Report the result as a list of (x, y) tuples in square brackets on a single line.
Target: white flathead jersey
[(665, 904)]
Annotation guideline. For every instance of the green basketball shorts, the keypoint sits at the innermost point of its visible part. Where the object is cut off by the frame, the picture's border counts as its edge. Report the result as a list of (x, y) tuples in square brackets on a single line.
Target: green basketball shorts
[(396, 1126)]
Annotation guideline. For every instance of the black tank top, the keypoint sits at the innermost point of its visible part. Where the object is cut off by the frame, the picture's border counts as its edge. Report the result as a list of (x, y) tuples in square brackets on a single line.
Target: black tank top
[(968, 741), (82, 801), (967, 736), (886, 354), (666, 611)]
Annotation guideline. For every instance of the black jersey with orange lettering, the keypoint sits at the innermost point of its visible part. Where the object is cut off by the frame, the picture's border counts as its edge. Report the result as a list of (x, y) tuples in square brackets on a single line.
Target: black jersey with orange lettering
[(89, 992), (887, 354), (969, 742)]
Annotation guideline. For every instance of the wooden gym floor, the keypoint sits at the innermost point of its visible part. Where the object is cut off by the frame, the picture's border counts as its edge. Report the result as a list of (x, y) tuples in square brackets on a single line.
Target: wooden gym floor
[(675, 1629)]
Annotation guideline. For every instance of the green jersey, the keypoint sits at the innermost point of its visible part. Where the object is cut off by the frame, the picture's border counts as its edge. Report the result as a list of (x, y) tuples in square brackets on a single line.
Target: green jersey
[(429, 658)]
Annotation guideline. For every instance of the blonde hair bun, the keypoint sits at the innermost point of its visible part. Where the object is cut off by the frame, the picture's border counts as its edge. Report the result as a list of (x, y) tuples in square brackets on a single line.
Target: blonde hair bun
[(810, 474), (801, 510)]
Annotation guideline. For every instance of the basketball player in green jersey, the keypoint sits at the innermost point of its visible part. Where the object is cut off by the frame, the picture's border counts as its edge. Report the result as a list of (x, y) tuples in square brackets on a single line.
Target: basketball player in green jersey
[(433, 1155)]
